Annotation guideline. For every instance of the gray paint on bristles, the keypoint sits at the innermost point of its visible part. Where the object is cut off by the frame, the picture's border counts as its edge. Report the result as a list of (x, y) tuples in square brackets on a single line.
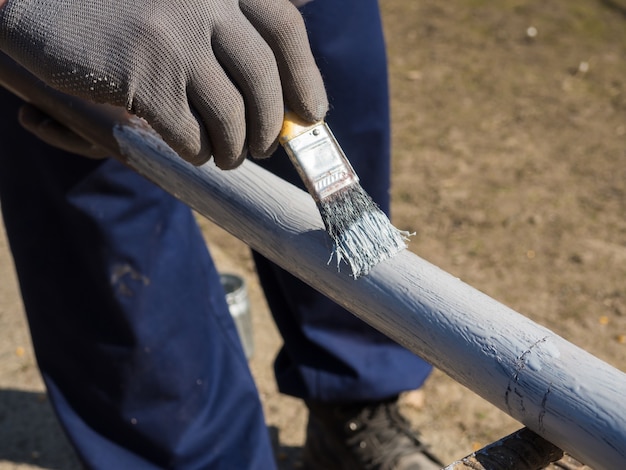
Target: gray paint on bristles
[(361, 232)]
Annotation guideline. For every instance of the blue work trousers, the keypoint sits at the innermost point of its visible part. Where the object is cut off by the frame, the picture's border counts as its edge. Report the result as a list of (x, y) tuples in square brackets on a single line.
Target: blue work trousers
[(131, 331)]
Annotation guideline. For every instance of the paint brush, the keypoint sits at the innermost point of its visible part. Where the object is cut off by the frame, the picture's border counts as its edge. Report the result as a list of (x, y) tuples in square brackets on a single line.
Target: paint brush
[(361, 232)]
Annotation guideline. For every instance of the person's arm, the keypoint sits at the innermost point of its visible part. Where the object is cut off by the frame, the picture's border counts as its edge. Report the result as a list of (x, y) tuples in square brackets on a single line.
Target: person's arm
[(213, 77)]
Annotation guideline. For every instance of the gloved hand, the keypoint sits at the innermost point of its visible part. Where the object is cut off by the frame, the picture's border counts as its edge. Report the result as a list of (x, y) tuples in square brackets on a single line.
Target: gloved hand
[(208, 75), (54, 133)]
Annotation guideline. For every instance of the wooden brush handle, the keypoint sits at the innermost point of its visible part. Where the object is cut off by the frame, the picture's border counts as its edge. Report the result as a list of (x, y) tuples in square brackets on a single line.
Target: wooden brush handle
[(293, 126)]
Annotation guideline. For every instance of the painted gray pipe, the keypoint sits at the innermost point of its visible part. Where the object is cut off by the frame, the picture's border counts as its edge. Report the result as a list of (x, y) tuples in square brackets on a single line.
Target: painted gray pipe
[(556, 389)]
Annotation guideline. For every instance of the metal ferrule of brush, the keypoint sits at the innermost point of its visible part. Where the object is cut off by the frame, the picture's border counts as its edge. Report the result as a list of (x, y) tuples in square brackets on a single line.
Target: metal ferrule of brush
[(321, 163)]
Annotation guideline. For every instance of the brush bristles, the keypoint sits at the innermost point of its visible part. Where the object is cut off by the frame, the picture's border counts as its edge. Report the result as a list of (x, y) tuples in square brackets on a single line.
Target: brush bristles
[(362, 234)]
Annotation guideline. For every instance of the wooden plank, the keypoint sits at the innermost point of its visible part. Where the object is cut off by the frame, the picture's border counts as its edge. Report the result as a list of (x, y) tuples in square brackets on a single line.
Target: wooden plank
[(556, 389), (521, 450)]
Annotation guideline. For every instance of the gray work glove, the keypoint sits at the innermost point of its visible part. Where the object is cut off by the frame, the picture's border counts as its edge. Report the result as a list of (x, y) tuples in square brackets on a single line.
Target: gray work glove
[(56, 134), (211, 76)]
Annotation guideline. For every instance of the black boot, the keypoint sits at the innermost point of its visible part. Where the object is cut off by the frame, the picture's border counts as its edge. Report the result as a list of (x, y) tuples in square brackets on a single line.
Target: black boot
[(365, 436)]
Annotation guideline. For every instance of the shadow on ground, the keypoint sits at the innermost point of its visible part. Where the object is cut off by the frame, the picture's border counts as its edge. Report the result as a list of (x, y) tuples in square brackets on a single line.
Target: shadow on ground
[(30, 433)]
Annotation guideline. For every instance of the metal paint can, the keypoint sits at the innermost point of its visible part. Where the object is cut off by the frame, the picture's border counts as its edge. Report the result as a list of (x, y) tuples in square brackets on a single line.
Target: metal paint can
[(239, 307)]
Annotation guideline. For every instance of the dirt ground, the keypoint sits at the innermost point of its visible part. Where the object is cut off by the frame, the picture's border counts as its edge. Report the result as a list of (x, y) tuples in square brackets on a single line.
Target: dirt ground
[(509, 138)]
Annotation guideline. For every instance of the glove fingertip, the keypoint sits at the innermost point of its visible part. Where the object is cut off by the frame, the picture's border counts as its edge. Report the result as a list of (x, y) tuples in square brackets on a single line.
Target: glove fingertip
[(30, 117), (307, 111), (230, 163), (267, 152), (308, 100), (185, 134), (194, 151), (317, 112), (198, 159)]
